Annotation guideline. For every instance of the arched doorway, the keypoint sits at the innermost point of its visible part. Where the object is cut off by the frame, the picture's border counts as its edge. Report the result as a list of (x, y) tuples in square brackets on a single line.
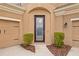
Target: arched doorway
[(39, 21)]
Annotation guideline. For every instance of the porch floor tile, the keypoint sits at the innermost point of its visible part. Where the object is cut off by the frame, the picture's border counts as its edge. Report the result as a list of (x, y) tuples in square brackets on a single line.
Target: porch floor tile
[(74, 51), (41, 50), (15, 51)]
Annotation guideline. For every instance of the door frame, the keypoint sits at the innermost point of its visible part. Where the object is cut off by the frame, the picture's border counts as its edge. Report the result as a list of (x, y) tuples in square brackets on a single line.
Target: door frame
[(35, 27)]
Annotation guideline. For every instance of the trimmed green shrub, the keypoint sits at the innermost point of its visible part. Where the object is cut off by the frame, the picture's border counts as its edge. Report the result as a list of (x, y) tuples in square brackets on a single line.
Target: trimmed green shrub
[(58, 39), (28, 38)]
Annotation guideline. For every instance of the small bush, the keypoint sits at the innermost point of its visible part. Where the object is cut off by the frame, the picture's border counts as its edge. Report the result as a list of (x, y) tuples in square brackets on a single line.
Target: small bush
[(28, 38), (58, 39)]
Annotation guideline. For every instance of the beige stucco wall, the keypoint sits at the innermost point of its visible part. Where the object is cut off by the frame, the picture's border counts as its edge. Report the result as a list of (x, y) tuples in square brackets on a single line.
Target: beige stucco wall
[(59, 24), (53, 23), (60, 20), (39, 9)]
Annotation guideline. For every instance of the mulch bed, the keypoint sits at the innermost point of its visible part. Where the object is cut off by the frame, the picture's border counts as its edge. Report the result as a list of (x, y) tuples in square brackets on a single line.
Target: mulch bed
[(59, 51), (29, 47)]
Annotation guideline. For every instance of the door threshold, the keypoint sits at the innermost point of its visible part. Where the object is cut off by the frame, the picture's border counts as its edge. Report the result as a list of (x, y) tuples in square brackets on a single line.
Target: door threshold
[(39, 43)]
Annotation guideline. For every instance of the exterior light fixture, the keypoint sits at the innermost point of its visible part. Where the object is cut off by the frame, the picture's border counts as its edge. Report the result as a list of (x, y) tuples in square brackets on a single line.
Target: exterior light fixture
[(65, 24)]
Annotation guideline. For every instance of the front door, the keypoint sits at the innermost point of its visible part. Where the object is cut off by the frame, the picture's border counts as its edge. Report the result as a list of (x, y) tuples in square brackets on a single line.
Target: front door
[(39, 28)]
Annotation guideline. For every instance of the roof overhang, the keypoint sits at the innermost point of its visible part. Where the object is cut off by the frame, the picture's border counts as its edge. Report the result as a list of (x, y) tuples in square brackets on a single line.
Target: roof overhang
[(68, 9), (12, 8)]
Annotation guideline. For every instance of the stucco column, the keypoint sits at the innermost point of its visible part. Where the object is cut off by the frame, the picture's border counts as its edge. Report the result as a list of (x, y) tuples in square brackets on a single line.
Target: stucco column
[(52, 26)]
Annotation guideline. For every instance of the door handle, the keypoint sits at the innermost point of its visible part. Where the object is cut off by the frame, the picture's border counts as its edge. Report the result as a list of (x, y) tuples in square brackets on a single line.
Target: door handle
[(0, 31), (15, 39), (4, 31)]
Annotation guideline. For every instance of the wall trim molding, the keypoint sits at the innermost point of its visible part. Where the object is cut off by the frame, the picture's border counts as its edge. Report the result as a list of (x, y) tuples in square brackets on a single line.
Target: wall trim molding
[(9, 19), (75, 19), (65, 10), (11, 8)]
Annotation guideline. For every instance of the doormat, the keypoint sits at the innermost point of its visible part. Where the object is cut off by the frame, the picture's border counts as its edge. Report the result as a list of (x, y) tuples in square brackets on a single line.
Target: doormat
[(59, 51)]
